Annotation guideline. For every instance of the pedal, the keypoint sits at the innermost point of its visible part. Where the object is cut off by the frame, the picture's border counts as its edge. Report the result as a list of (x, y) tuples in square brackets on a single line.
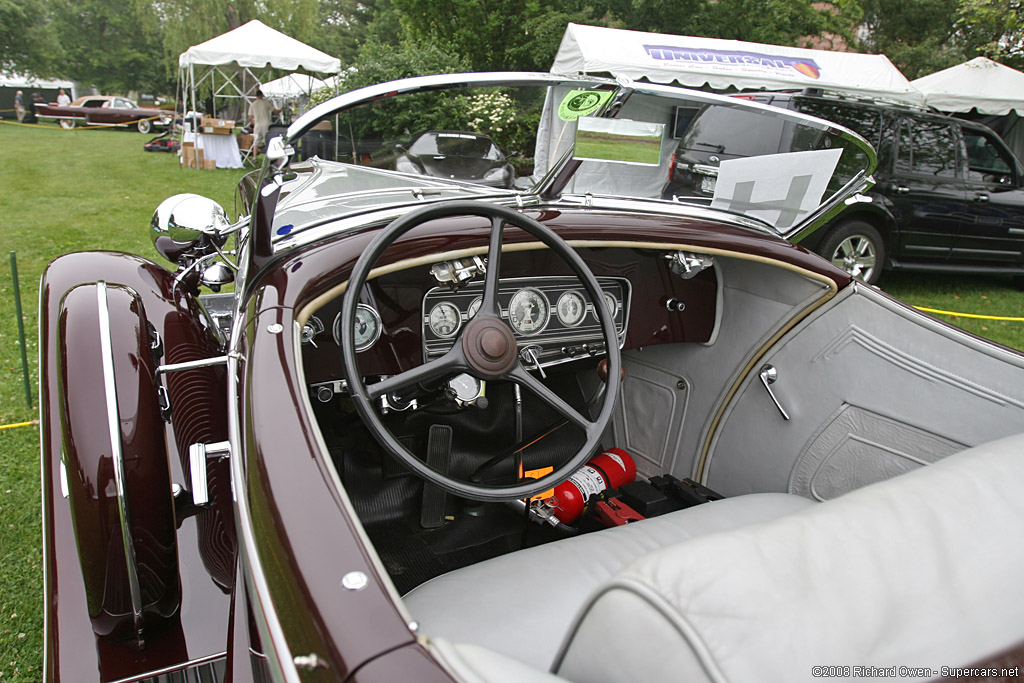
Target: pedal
[(439, 456)]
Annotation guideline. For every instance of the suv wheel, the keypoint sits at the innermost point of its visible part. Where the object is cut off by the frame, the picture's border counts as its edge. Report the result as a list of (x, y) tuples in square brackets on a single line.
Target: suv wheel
[(856, 247)]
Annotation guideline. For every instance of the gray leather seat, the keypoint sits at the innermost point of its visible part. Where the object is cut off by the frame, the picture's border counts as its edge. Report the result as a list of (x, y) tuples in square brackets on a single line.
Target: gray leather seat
[(522, 604), (923, 570)]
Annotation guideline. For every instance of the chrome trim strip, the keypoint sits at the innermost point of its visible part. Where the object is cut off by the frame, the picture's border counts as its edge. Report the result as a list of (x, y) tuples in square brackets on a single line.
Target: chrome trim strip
[(208, 659), (114, 424), (271, 633), (191, 365)]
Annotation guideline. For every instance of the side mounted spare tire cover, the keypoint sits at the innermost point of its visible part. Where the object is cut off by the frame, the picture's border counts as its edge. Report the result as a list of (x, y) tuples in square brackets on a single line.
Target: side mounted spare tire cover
[(118, 476)]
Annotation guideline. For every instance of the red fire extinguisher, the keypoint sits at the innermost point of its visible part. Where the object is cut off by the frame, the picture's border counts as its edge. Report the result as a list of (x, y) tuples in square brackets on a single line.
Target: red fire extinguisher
[(611, 469)]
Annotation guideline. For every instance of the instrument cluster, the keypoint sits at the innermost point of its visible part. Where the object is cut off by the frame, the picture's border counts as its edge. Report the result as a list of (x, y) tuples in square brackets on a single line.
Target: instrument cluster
[(552, 317)]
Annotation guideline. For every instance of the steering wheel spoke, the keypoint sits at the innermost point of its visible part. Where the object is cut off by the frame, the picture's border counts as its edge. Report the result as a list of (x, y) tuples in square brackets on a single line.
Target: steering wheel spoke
[(521, 376), (489, 305), (451, 363)]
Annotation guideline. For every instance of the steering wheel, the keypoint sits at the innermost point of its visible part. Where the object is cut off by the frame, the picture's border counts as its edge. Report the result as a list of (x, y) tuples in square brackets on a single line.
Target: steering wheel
[(485, 348)]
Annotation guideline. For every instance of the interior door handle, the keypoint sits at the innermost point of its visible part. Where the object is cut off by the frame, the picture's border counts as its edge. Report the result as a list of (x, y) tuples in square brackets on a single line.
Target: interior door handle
[(768, 377), (981, 197), (901, 189)]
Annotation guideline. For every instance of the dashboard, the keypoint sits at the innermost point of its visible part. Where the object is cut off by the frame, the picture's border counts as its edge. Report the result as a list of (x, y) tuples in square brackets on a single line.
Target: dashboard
[(406, 318), (552, 318)]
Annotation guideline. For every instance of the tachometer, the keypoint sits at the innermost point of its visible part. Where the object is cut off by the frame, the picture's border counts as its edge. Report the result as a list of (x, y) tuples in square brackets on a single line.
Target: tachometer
[(571, 308), (445, 319), (528, 311)]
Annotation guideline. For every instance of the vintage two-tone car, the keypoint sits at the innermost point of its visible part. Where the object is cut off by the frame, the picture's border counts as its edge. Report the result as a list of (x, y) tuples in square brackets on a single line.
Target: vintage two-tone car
[(445, 432), (105, 110)]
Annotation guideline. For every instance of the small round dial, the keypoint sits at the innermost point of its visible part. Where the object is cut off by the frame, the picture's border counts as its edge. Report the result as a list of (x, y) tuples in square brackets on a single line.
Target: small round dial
[(528, 311), (474, 307), (611, 303), (571, 308), (366, 328), (445, 319)]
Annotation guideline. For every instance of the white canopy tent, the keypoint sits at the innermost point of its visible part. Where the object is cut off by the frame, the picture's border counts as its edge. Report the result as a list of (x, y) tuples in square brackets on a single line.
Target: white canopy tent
[(231, 64), (726, 64), (985, 90), (293, 86), (980, 84)]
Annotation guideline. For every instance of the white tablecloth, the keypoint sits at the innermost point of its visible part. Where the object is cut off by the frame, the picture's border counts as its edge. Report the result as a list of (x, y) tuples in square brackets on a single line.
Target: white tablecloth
[(221, 148)]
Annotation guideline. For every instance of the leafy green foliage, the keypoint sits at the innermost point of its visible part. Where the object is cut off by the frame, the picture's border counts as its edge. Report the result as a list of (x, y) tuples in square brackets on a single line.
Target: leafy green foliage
[(28, 41), (113, 46), (918, 36), (995, 29)]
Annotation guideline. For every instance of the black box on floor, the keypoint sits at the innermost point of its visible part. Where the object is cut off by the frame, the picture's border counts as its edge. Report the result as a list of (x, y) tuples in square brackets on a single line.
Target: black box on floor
[(686, 491), (646, 499)]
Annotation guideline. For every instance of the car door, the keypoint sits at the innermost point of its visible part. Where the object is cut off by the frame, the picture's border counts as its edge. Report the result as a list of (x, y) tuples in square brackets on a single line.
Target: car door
[(993, 231), (926, 189)]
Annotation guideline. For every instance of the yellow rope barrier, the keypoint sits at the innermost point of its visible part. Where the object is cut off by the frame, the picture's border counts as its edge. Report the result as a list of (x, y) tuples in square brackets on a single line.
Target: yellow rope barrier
[(99, 126), (969, 315), (20, 424)]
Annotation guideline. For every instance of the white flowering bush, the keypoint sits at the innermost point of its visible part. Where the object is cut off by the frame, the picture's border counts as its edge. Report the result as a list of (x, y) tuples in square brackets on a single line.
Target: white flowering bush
[(490, 113)]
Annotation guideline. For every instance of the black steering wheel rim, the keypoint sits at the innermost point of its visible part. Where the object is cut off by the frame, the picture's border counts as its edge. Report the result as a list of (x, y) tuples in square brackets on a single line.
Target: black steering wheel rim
[(488, 353)]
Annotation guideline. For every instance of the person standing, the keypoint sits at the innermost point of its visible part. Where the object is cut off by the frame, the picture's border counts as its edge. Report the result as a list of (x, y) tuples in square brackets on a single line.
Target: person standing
[(259, 118), (19, 106), (62, 98)]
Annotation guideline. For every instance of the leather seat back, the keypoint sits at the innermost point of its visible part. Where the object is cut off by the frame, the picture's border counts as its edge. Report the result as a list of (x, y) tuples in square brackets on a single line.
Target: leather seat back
[(923, 570)]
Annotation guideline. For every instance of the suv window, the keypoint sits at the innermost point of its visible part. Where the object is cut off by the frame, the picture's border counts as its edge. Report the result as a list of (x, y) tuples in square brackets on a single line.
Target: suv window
[(729, 131), (927, 148), (861, 120), (987, 161)]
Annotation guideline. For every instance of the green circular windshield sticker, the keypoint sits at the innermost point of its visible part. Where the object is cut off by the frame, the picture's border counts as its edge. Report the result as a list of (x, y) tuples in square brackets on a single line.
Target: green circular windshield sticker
[(577, 103)]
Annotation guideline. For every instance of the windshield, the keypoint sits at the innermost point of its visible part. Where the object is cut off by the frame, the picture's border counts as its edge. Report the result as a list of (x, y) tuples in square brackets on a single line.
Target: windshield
[(492, 135)]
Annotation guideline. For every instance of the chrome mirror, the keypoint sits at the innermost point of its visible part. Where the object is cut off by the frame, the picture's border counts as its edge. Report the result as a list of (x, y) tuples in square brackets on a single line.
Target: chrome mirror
[(277, 151), (216, 275), (187, 226)]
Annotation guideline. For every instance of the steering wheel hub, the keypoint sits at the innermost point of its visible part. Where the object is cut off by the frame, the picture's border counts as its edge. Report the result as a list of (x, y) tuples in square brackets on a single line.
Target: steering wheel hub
[(490, 346)]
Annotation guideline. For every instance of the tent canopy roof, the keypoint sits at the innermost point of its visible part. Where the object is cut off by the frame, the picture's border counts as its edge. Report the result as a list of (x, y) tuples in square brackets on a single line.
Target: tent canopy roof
[(721, 64), (292, 85), (256, 45), (980, 83), (17, 80)]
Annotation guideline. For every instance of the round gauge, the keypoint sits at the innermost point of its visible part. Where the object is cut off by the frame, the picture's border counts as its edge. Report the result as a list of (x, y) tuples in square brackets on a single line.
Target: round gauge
[(528, 311), (474, 307), (611, 302), (445, 319), (571, 308), (366, 328), (313, 327)]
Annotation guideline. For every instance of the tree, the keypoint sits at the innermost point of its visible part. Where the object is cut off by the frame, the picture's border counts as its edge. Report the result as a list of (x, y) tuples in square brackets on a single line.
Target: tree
[(993, 28), (918, 36), (113, 46), (28, 41), (493, 34)]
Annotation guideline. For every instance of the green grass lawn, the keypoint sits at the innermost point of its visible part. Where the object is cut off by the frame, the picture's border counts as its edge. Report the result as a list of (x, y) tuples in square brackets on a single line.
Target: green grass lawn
[(60, 191), (64, 191)]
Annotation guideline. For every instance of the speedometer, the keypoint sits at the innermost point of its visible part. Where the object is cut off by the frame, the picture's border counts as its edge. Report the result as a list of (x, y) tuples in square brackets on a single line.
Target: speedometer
[(528, 311), (445, 319), (571, 308)]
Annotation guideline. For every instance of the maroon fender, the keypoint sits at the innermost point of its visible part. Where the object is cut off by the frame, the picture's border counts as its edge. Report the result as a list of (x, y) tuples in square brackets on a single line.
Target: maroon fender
[(119, 486)]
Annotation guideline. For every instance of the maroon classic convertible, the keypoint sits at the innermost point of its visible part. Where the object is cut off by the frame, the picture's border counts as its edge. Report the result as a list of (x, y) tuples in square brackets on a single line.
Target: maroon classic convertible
[(105, 110), (446, 432)]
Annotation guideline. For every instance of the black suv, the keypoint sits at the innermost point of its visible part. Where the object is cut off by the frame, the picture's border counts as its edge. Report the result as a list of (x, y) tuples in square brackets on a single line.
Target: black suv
[(948, 193)]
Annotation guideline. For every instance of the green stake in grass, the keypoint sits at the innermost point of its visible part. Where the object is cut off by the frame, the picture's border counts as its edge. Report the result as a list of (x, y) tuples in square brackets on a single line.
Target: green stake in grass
[(21, 331)]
